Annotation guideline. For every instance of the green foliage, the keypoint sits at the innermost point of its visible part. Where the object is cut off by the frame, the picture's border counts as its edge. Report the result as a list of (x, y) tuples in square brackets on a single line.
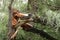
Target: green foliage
[(43, 10), (3, 28), (57, 2)]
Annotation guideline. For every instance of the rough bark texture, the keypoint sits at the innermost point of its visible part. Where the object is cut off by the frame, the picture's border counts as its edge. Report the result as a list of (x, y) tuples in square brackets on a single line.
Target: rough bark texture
[(10, 29)]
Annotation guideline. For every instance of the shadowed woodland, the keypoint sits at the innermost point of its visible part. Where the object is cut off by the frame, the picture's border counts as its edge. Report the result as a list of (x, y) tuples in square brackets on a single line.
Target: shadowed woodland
[(29, 19)]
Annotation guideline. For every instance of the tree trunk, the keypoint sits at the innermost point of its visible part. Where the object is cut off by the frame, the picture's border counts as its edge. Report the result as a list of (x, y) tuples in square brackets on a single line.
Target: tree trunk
[(11, 30)]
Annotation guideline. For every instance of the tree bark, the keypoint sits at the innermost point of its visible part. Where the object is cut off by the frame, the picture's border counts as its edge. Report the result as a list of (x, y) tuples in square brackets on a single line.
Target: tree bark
[(10, 29)]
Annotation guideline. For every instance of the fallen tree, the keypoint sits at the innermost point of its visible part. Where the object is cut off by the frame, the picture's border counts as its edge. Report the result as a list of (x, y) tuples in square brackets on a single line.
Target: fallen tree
[(14, 25)]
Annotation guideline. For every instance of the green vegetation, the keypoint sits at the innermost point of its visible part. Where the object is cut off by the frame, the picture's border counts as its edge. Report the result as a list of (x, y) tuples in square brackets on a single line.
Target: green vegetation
[(48, 9)]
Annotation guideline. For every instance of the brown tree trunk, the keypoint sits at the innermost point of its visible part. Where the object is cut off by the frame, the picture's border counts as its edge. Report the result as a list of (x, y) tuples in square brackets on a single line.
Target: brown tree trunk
[(11, 31)]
